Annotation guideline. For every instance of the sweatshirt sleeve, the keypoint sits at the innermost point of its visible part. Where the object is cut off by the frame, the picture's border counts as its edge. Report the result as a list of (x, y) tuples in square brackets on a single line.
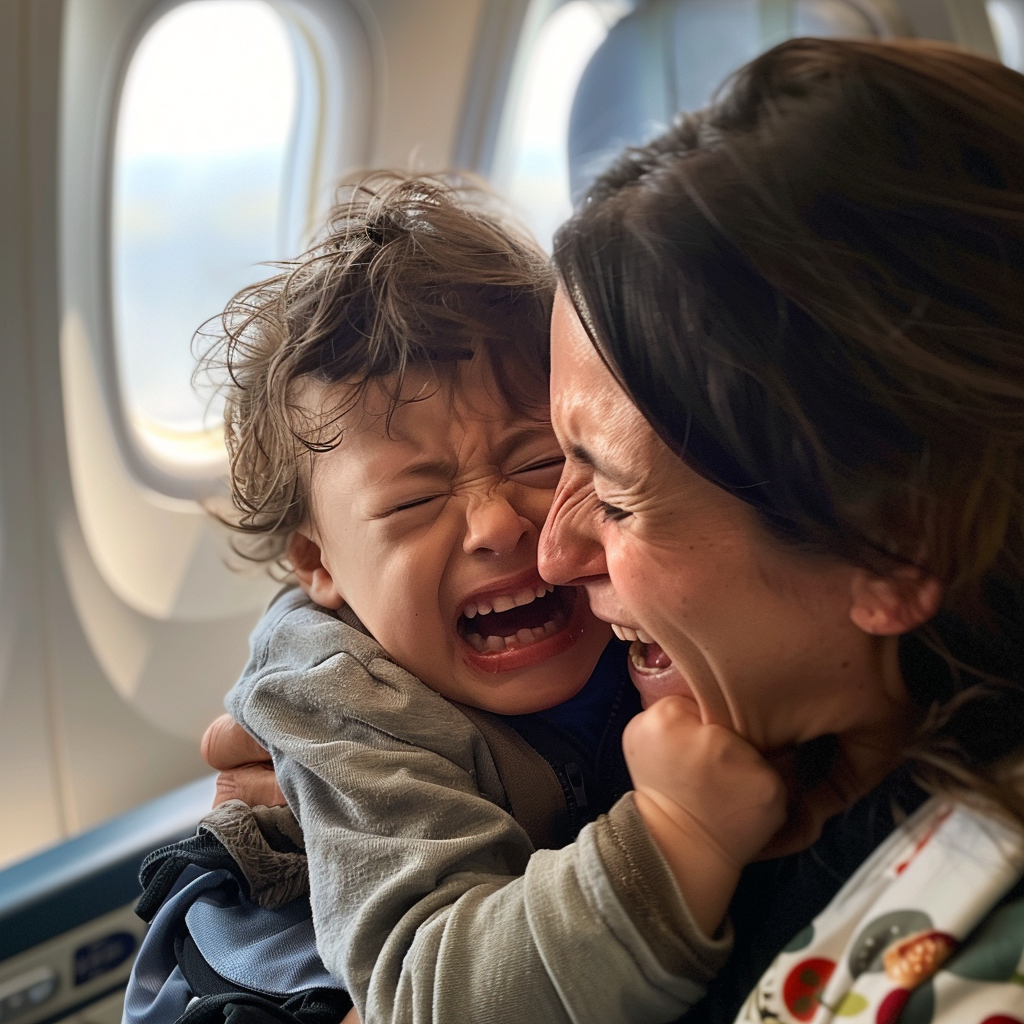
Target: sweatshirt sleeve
[(429, 902)]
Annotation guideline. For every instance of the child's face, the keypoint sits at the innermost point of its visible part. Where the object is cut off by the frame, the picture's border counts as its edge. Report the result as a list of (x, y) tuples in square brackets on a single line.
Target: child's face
[(427, 528)]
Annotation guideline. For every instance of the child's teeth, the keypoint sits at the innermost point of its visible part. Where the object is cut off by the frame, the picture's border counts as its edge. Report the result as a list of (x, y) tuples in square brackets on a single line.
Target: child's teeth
[(506, 602), (643, 637), (617, 630), (624, 632), (522, 638)]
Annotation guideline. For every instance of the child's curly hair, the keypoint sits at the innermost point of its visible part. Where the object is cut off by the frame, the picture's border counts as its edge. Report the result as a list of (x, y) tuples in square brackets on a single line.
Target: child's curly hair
[(411, 270)]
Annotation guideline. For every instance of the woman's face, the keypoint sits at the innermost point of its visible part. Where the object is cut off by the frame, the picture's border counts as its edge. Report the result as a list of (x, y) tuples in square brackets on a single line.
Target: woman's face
[(758, 634)]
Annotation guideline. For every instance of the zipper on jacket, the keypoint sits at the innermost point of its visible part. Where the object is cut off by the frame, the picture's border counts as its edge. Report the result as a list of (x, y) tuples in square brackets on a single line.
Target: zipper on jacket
[(574, 776)]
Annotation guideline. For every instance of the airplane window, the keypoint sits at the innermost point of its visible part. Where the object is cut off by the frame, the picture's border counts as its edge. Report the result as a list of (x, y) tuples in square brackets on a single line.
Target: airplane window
[(1007, 20), (668, 56), (531, 163), (602, 74), (201, 165)]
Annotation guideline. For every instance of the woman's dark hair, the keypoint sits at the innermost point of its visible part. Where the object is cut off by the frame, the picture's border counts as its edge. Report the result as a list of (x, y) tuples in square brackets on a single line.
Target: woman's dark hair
[(814, 290)]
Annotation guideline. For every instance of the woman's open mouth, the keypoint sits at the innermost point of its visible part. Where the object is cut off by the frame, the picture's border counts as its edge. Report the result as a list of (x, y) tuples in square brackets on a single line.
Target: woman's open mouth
[(648, 657), (650, 668)]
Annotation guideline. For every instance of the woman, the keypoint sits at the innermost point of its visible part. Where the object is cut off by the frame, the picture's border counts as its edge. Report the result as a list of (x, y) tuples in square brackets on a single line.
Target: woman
[(788, 375), (788, 372)]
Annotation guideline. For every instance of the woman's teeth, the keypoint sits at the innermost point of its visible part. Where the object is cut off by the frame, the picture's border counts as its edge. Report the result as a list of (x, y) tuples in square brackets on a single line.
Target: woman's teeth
[(648, 657), (645, 654), (625, 633), (506, 602)]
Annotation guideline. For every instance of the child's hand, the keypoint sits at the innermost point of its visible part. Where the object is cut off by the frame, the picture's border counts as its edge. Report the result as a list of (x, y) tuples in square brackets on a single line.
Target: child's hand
[(710, 801)]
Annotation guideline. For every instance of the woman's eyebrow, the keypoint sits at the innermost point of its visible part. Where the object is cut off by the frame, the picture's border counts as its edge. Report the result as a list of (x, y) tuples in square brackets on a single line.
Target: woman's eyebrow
[(583, 456)]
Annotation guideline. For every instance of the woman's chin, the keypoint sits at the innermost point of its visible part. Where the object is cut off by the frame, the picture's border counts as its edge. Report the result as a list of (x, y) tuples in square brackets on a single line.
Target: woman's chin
[(654, 675)]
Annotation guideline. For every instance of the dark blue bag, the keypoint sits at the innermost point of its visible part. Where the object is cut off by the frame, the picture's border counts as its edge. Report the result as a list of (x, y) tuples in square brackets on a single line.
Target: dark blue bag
[(213, 954)]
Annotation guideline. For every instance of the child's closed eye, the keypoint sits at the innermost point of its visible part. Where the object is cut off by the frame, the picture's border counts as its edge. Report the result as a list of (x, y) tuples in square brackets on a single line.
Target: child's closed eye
[(414, 503)]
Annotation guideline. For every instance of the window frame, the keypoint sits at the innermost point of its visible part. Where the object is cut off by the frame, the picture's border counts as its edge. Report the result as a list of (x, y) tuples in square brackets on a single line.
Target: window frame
[(1014, 10), (333, 56), (487, 150)]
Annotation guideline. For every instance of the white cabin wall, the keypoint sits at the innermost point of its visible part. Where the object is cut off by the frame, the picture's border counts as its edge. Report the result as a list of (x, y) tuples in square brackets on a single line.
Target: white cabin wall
[(424, 50), (29, 56), (101, 704)]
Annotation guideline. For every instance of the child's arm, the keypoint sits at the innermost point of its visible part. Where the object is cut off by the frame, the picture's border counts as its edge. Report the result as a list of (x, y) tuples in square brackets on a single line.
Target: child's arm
[(708, 799), (429, 901)]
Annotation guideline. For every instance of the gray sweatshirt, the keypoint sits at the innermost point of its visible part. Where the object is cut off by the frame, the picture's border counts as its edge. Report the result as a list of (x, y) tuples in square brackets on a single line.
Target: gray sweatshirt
[(422, 818)]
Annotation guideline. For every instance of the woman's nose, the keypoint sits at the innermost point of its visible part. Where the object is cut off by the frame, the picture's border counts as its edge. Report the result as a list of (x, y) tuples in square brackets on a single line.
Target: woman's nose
[(493, 525), (569, 550)]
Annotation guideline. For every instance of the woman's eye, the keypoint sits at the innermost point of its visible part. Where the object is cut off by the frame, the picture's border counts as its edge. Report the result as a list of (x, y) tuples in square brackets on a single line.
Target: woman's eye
[(611, 513)]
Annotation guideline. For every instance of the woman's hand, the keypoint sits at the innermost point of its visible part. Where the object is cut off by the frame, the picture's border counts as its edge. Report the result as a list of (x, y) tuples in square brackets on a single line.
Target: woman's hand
[(246, 770), (710, 801)]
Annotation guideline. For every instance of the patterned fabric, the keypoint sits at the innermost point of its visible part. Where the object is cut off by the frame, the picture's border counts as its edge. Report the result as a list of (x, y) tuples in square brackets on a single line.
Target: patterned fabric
[(921, 934)]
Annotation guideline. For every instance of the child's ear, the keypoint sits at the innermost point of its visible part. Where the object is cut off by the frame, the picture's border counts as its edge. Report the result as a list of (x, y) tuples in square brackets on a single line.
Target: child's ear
[(896, 603), (314, 577)]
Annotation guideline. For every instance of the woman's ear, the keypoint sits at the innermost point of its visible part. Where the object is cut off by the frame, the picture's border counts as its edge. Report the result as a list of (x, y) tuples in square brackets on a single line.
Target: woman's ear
[(896, 603), (314, 577)]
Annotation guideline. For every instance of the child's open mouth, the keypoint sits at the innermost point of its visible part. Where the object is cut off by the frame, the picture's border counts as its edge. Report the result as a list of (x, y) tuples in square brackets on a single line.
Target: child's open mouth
[(536, 615)]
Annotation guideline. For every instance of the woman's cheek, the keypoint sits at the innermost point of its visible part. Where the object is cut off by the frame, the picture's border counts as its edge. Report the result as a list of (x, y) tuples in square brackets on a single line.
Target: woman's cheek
[(629, 567)]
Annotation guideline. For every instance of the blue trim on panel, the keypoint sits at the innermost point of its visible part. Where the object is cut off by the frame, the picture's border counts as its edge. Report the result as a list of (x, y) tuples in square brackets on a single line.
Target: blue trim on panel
[(95, 872)]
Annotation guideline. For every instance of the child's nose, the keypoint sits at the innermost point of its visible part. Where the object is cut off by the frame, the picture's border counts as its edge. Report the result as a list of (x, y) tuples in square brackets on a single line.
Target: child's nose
[(493, 525)]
